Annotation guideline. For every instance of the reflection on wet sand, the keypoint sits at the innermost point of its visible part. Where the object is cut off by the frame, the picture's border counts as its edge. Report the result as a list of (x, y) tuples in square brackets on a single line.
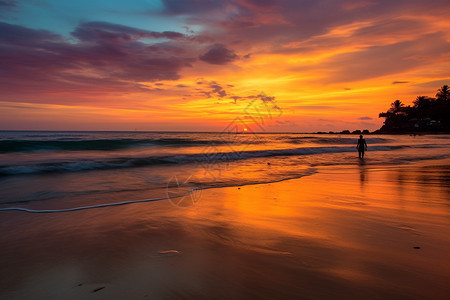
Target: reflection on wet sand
[(317, 237), (362, 173)]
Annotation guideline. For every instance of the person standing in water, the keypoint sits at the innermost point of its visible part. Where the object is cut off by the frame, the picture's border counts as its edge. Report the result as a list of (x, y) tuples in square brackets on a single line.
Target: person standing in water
[(361, 146)]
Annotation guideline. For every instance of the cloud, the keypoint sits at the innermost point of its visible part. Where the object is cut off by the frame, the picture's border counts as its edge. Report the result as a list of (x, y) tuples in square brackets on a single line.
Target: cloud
[(313, 107), (377, 61), (287, 122), (8, 4), (103, 31), (218, 54), (191, 6), (369, 125), (21, 36), (351, 5), (213, 89), (434, 83), (218, 90), (365, 118), (103, 58), (297, 47), (400, 82)]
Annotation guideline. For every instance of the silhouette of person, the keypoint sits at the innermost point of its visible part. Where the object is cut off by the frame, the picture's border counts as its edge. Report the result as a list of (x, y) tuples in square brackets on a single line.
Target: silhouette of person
[(361, 146)]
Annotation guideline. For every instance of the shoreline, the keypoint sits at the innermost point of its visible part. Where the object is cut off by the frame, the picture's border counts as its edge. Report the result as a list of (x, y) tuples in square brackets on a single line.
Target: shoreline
[(314, 170)]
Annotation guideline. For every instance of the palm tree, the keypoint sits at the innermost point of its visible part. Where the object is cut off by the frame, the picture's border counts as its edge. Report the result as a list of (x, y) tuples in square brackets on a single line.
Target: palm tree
[(422, 102), (396, 106), (443, 93), (423, 105)]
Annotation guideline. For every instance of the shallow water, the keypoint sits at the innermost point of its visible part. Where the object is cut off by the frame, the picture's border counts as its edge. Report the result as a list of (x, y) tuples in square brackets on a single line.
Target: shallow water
[(346, 232), (63, 170)]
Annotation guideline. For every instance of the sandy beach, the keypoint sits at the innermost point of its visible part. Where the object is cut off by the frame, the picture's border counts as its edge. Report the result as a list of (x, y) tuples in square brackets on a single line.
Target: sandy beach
[(352, 232)]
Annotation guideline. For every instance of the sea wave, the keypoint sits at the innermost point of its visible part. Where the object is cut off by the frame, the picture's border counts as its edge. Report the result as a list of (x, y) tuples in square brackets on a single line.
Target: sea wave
[(8, 146), (74, 143), (206, 157), (334, 140)]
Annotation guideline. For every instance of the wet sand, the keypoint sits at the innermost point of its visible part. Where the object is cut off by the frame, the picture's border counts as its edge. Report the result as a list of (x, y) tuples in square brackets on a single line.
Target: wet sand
[(353, 232)]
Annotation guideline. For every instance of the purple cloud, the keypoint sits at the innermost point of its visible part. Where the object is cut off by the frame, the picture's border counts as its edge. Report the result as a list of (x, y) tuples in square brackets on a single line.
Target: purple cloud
[(218, 54), (8, 4), (365, 118), (217, 89), (102, 31), (22, 36), (106, 57), (191, 6), (303, 27), (213, 90)]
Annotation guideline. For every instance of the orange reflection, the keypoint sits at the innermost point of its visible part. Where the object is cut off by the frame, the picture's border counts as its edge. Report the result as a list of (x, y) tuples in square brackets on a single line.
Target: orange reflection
[(288, 238)]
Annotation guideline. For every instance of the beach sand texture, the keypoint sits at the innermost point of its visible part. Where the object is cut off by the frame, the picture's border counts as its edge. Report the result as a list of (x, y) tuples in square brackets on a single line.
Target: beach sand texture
[(346, 232)]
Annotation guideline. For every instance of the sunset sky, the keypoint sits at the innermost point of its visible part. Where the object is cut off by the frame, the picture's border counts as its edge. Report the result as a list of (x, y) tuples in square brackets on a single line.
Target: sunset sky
[(195, 65)]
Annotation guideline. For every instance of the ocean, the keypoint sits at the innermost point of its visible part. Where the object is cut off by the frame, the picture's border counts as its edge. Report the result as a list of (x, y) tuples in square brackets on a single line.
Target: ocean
[(57, 171)]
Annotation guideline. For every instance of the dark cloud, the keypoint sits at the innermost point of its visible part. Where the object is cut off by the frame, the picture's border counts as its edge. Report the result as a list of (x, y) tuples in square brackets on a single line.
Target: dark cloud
[(10, 8), (217, 89), (8, 4), (98, 31), (365, 118), (22, 36), (218, 54), (400, 82), (287, 122), (261, 4), (213, 89), (265, 98), (106, 57), (191, 6)]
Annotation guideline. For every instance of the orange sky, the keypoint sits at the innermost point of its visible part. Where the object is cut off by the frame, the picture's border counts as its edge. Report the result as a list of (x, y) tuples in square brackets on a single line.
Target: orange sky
[(196, 65)]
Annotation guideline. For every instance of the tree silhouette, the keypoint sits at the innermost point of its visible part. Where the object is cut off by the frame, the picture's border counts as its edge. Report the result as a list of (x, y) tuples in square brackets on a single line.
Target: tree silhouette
[(443, 94), (422, 102), (427, 114), (396, 106)]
